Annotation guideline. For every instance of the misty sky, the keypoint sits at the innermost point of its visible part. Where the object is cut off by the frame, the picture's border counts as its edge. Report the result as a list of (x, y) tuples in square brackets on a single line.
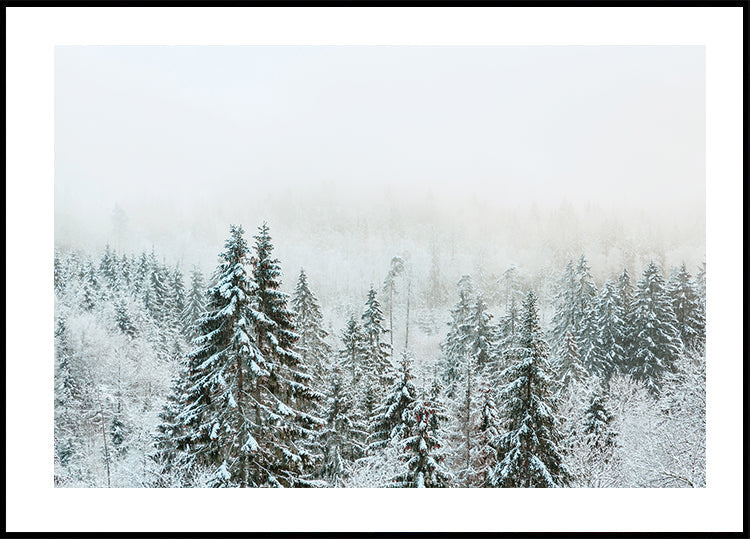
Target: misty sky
[(173, 134)]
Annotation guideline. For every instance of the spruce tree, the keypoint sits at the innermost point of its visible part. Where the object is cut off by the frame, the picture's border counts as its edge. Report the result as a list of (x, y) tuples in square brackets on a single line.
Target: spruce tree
[(605, 355), (377, 351), (455, 347), (420, 450), (352, 355), (656, 340), (235, 411), (390, 421), (195, 302), (625, 290), (487, 434), (276, 333), (313, 348), (570, 370), (686, 305), (481, 336), (527, 450), (177, 295), (342, 438)]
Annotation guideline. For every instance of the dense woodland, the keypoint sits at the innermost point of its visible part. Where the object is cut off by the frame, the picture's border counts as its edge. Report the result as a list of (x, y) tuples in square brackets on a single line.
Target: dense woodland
[(166, 377)]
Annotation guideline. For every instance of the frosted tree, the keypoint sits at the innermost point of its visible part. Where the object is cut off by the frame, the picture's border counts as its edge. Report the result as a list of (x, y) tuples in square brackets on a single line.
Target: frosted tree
[(455, 347), (511, 291), (177, 295), (352, 355), (566, 319), (607, 329), (239, 423), (574, 301), (481, 336), (275, 327), (570, 370), (389, 288), (592, 444), (311, 345), (391, 421), (195, 302), (508, 335), (59, 272), (625, 290), (461, 431), (342, 438), (108, 268), (656, 340), (377, 351), (488, 429), (420, 451), (528, 448), (687, 308)]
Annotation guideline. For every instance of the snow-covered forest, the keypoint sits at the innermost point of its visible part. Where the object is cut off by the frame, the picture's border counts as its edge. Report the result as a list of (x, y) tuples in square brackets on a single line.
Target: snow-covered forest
[(170, 376)]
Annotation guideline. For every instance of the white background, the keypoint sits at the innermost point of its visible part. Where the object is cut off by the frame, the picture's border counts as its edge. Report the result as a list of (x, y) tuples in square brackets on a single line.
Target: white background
[(33, 504)]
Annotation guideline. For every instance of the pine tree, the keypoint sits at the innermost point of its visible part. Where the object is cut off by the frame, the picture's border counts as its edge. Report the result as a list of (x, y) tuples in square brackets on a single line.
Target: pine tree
[(156, 297), (487, 434), (390, 421), (527, 450), (59, 273), (585, 294), (276, 329), (377, 351), (574, 300), (195, 302), (455, 347), (686, 305), (605, 355), (311, 345), (91, 287), (420, 450), (108, 268), (342, 438), (123, 320), (656, 340), (178, 298), (597, 421), (235, 414), (509, 336), (352, 355), (625, 290), (569, 367), (481, 335)]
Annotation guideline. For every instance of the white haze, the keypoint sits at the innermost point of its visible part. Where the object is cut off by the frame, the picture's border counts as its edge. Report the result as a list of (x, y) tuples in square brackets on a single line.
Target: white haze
[(487, 156)]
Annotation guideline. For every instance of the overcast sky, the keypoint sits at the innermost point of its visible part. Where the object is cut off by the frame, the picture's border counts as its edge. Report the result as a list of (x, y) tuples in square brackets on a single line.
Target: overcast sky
[(175, 129)]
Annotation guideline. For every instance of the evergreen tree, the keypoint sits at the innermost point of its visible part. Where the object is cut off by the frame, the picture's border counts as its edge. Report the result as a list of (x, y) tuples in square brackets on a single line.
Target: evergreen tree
[(455, 347), (177, 295), (569, 367), (59, 273), (481, 335), (597, 424), (156, 298), (656, 341), (377, 351), (487, 434), (509, 336), (686, 305), (342, 438), (420, 450), (625, 290), (605, 355), (391, 421), (108, 268), (123, 320), (276, 329), (527, 450), (353, 352), (312, 346), (235, 414), (195, 302)]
